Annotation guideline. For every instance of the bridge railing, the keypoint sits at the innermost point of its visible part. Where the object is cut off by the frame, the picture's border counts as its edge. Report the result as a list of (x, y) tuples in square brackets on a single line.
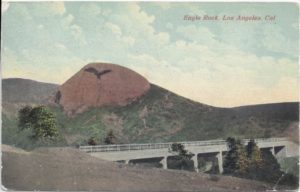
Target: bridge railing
[(147, 146)]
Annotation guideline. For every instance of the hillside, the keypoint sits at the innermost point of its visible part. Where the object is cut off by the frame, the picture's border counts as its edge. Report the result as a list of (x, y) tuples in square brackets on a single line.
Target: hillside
[(157, 116), (63, 169), (18, 92), (100, 84), (26, 91)]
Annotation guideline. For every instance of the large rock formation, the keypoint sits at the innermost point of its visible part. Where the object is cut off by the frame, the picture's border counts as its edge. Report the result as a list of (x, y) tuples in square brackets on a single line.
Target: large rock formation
[(100, 84)]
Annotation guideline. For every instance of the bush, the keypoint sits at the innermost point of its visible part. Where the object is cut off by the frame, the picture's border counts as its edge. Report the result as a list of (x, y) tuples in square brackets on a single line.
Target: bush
[(40, 120), (290, 180)]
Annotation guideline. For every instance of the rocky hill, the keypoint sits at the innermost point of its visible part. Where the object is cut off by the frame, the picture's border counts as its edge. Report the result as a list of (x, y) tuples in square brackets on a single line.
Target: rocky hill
[(140, 112), (100, 84)]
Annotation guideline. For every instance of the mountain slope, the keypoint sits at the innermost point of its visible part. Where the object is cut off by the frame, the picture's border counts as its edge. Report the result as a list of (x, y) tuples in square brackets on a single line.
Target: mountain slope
[(26, 91), (17, 92), (157, 116)]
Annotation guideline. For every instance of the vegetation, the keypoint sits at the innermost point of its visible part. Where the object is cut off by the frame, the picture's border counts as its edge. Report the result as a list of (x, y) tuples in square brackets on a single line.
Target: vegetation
[(251, 163), (236, 161), (169, 118), (92, 141), (110, 138), (40, 120), (182, 160)]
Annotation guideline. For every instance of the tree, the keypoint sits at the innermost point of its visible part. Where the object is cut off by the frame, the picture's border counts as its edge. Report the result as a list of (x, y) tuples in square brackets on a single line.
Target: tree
[(254, 154), (92, 141), (236, 161), (110, 138), (255, 160), (24, 118), (270, 169), (252, 163), (183, 156), (40, 120)]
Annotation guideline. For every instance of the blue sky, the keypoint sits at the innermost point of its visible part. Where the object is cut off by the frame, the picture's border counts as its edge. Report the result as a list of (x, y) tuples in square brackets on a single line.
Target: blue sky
[(221, 63)]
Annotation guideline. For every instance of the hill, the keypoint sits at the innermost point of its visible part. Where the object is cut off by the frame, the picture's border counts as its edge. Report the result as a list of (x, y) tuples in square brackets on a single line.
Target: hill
[(17, 92), (26, 91), (100, 84), (157, 116), (63, 169)]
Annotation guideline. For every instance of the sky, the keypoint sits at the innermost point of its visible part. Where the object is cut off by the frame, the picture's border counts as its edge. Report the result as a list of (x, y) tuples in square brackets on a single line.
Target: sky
[(217, 62)]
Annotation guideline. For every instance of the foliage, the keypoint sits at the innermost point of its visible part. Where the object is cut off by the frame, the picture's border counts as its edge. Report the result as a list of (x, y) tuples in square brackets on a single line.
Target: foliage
[(255, 160), (254, 154), (270, 169), (40, 120), (252, 163), (236, 161), (183, 157), (170, 118), (290, 179), (24, 117), (110, 138), (92, 141)]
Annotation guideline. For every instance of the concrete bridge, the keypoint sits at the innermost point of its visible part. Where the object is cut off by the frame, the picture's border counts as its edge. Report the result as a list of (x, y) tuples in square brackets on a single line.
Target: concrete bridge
[(162, 151)]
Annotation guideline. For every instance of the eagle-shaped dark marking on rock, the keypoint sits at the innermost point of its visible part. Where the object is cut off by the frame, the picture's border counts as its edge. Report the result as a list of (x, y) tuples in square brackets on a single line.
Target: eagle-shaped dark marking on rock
[(97, 73)]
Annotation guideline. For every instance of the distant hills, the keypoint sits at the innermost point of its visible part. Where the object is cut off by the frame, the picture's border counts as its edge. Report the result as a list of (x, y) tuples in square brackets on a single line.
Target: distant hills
[(158, 115), (17, 90)]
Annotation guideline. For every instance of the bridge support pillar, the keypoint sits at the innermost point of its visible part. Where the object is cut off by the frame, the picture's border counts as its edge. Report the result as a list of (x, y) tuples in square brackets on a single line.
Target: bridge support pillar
[(195, 160), (164, 162), (220, 162), (126, 162), (285, 151), (273, 151)]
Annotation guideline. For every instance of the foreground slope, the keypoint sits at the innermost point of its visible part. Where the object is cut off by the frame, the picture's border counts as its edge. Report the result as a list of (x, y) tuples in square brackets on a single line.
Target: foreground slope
[(67, 169)]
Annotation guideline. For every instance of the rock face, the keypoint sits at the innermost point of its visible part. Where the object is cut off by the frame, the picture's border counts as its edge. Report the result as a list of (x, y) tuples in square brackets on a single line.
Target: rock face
[(100, 84)]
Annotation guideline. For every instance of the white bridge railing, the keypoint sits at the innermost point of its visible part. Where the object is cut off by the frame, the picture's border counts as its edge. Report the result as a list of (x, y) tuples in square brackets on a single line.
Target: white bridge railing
[(147, 146)]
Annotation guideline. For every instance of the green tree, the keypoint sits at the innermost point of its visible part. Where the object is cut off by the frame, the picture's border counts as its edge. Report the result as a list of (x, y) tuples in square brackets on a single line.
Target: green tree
[(254, 154), (236, 161), (252, 163), (110, 138), (255, 160), (40, 120), (183, 157), (270, 169), (24, 118), (92, 141)]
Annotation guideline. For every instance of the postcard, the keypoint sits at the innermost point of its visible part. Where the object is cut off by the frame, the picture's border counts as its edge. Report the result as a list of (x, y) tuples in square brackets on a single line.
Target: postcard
[(149, 96)]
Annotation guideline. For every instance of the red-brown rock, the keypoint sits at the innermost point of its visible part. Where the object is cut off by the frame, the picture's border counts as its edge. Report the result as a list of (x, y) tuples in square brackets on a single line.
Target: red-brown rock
[(100, 84)]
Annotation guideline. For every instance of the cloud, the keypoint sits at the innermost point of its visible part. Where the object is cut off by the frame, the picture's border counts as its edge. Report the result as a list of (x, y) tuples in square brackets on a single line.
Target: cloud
[(163, 5), (222, 65), (139, 15), (195, 33), (57, 7), (274, 40), (115, 29)]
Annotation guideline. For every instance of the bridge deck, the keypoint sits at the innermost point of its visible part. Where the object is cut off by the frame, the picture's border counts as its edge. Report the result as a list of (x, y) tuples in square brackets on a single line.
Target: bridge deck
[(262, 142)]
